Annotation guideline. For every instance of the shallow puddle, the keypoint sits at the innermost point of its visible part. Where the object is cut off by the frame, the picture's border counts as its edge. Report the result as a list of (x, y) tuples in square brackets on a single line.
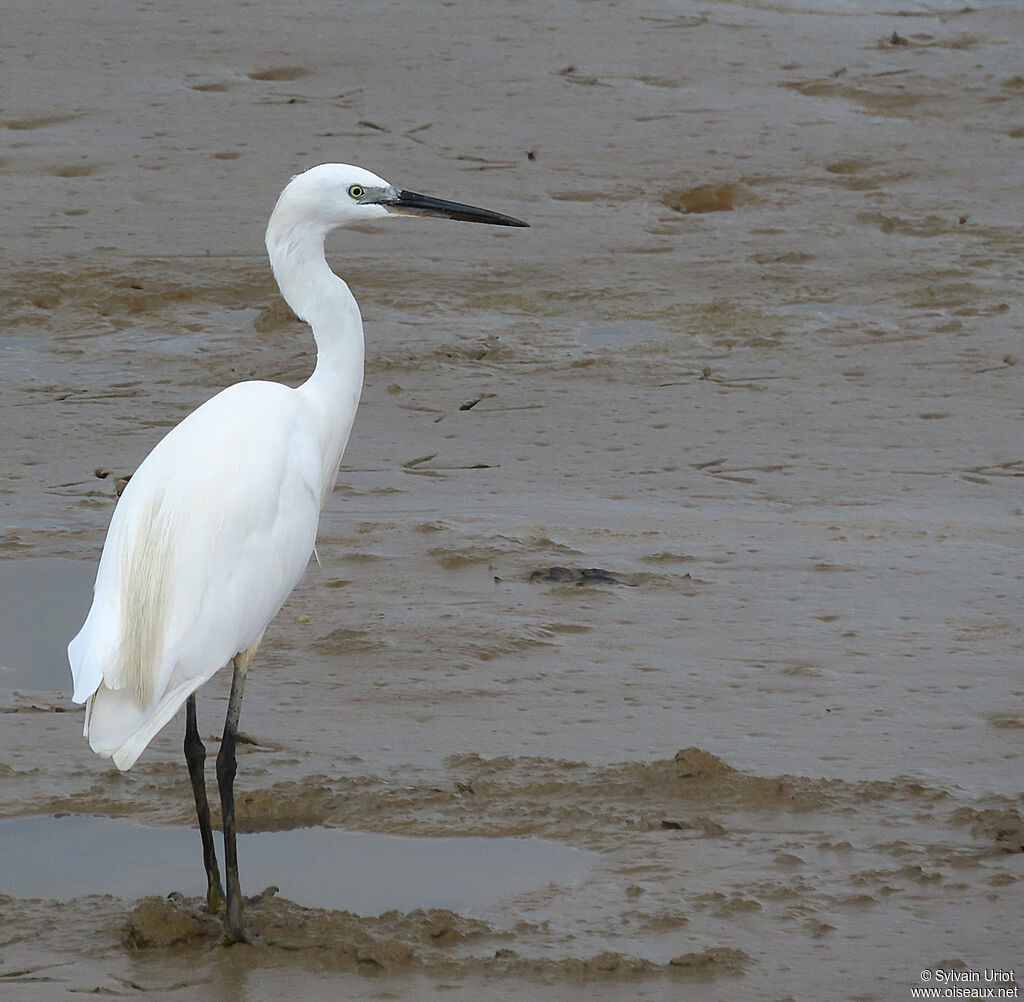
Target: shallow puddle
[(43, 603), (71, 856)]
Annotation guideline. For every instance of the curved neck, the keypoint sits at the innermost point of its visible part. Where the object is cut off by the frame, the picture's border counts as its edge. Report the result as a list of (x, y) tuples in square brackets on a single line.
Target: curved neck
[(321, 299)]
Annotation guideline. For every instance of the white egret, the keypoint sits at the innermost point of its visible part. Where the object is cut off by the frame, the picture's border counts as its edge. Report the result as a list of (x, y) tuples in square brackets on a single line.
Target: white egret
[(217, 525)]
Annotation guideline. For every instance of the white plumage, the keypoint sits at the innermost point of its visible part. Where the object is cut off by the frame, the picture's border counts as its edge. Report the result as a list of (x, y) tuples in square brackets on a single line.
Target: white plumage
[(217, 525), (215, 528), (211, 535)]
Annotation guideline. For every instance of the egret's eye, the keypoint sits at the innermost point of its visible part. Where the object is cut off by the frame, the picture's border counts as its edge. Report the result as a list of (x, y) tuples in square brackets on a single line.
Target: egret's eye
[(356, 191)]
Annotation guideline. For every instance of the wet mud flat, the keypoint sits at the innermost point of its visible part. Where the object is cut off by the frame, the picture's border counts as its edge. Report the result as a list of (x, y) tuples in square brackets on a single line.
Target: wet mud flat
[(694, 877), (681, 531)]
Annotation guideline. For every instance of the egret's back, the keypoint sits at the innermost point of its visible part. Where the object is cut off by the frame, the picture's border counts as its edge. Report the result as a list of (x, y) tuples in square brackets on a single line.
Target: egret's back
[(210, 536)]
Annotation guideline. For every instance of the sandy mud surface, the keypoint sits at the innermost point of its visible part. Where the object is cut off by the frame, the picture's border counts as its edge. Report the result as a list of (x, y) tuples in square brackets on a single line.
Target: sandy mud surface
[(682, 529)]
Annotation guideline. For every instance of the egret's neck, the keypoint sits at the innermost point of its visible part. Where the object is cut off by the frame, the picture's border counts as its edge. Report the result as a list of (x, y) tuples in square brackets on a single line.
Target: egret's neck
[(323, 300)]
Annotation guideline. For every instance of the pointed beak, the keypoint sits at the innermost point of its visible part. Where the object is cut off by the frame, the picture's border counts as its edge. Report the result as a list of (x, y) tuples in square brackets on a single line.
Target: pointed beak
[(413, 204)]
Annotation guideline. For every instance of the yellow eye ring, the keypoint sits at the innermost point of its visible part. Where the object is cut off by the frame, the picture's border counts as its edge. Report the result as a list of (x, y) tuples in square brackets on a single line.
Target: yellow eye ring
[(356, 191)]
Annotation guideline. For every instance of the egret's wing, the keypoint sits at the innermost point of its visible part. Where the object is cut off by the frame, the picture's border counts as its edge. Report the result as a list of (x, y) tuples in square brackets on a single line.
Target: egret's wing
[(210, 536)]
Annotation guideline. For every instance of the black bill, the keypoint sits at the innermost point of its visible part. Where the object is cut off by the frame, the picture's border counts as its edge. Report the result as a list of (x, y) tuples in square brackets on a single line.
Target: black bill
[(412, 203)]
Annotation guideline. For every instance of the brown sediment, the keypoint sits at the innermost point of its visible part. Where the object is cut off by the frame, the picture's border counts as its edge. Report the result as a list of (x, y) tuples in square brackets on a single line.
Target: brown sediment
[(802, 852)]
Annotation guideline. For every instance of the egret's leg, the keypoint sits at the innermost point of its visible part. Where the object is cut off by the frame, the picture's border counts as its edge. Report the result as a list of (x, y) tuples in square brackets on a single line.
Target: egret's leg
[(235, 932), (195, 756)]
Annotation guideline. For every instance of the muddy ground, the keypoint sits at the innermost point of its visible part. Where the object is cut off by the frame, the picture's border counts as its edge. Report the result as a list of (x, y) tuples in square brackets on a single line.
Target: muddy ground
[(757, 361)]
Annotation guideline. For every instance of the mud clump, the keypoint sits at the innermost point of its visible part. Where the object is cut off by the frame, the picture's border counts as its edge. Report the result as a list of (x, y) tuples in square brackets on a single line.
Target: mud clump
[(283, 925), (607, 960), (161, 922), (575, 576), (1005, 828), (389, 942), (710, 827), (702, 198), (395, 942), (386, 954), (444, 928), (710, 962), (608, 965), (695, 763)]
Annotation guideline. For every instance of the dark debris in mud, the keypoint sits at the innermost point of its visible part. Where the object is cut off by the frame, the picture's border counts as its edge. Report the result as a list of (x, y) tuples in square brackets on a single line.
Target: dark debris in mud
[(575, 576)]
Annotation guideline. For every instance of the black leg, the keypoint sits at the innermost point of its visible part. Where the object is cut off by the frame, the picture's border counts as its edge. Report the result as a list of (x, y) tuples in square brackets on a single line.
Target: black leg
[(195, 756), (235, 931)]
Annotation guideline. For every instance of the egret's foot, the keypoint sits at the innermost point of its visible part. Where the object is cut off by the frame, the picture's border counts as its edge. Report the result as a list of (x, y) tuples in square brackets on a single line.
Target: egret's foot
[(267, 892), (232, 937), (215, 900)]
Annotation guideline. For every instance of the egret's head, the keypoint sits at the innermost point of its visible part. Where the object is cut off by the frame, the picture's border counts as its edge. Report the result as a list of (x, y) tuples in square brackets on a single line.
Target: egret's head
[(333, 195)]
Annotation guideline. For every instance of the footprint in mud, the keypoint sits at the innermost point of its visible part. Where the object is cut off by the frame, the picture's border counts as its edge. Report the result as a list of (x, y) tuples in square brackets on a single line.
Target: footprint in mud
[(280, 73), (71, 170), (213, 87), (38, 122)]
